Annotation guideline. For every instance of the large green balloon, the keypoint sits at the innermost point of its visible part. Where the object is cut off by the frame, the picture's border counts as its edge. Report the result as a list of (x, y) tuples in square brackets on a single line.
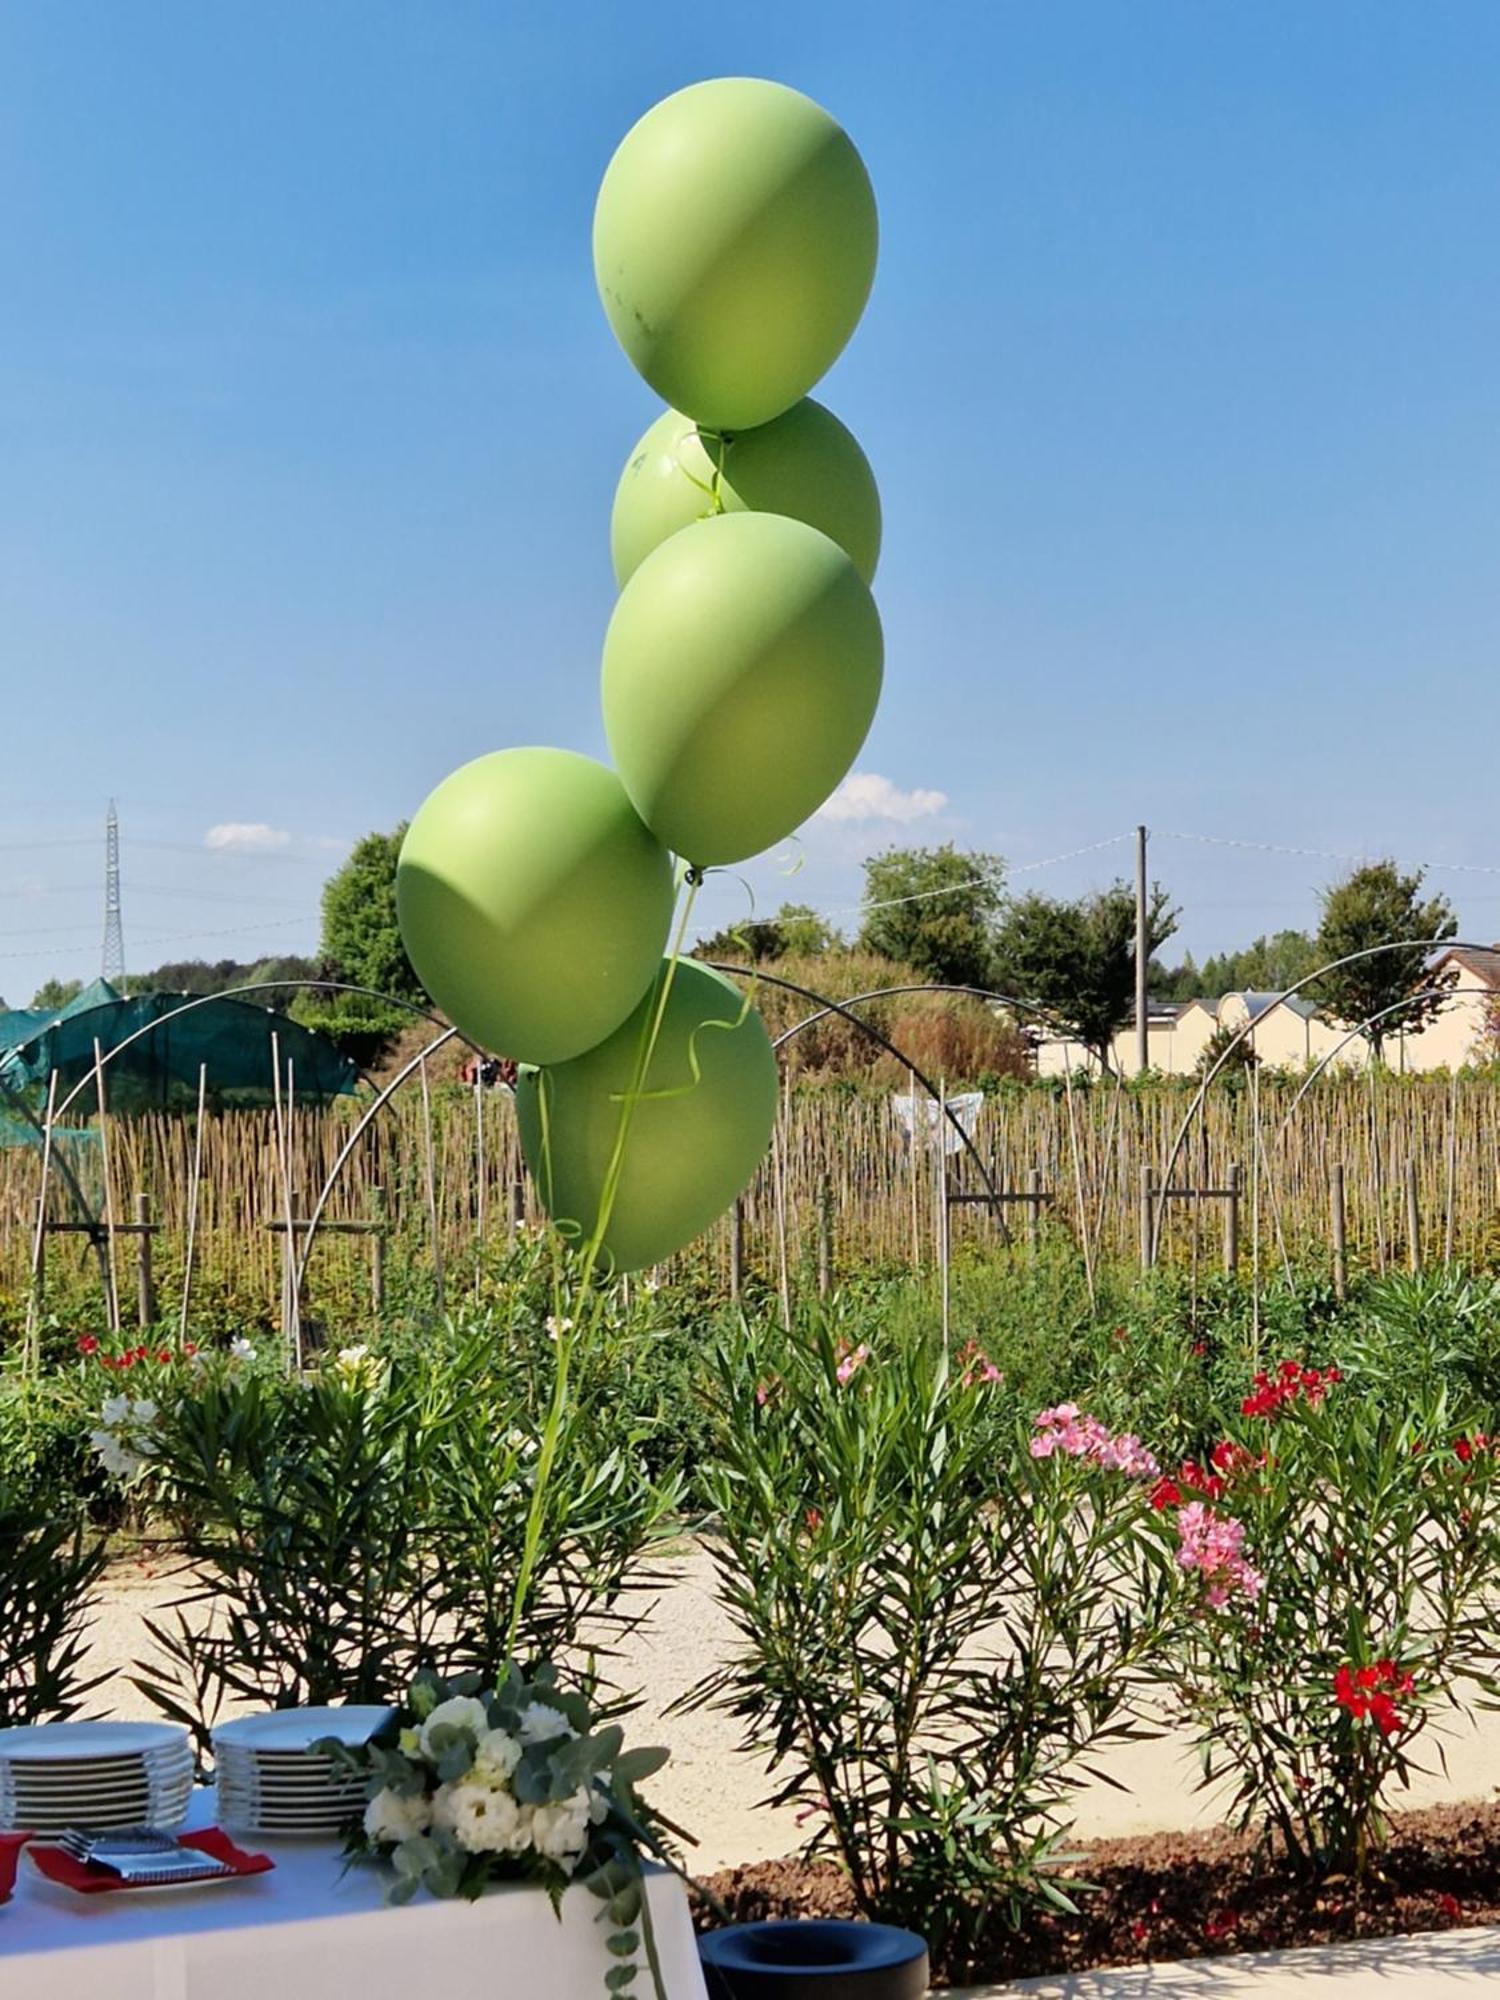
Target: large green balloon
[(742, 667), (734, 247), (696, 1134), (533, 903), (805, 464)]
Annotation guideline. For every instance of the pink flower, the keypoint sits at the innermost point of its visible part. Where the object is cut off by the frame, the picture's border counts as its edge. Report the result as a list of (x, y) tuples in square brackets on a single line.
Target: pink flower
[(1213, 1544), (851, 1361), (1065, 1428)]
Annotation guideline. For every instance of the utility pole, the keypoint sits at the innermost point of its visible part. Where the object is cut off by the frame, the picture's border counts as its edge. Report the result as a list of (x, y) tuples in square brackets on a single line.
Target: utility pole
[(1142, 954), (113, 966)]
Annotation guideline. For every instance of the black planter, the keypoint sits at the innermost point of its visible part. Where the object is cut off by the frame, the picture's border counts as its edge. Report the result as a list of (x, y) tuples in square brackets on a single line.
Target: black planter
[(814, 1958)]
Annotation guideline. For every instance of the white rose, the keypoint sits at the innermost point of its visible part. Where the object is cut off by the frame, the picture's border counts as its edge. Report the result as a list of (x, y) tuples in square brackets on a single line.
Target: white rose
[(541, 1723), (561, 1832), (388, 1816), (497, 1756), (481, 1818), (460, 1711)]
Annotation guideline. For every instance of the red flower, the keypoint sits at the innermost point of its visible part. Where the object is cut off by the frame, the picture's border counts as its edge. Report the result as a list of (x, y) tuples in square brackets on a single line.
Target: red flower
[(126, 1360), (88, 1344), (1221, 1923), (1164, 1494), (1372, 1691), (164, 1355), (190, 1348), (141, 1353), (1464, 1450), (812, 1520), (1450, 1906), (1200, 1347)]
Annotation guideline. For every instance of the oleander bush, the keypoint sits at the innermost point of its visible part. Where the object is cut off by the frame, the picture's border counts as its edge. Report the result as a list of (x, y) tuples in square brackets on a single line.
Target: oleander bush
[(935, 1625)]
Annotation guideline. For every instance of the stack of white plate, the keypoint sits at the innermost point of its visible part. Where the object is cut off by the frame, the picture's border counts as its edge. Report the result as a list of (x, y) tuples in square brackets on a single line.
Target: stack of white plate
[(94, 1774), (271, 1782)]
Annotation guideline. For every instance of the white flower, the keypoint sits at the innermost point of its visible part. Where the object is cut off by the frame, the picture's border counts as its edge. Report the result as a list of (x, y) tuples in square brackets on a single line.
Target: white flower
[(482, 1818), (409, 1743), (145, 1411), (496, 1757), (242, 1349), (116, 1410), (561, 1832), (388, 1816), (115, 1457), (459, 1711), (557, 1327), (541, 1723), (520, 1443), (351, 1357)]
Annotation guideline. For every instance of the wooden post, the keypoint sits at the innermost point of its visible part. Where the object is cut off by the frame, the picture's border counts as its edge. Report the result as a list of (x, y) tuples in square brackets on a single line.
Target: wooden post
[(1451, 1170), (1337, 1220), (825, 1237), (429, 1159), (1148, 1217), (145, 1283), (1413, 1219), (1034, 1210), (377, 1254), (1232, 1218), (737, 1249)]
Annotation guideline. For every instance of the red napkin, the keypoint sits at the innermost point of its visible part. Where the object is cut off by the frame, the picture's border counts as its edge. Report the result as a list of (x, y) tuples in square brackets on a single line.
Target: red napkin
[(10, 1849), (90, 1880)]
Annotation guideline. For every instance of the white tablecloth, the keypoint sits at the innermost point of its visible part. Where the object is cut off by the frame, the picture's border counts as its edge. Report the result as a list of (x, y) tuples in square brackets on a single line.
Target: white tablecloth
[(306, 1931)]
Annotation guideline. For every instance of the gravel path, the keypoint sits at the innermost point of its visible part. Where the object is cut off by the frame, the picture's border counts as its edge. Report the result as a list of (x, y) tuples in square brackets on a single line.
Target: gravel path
[(715, 1790)]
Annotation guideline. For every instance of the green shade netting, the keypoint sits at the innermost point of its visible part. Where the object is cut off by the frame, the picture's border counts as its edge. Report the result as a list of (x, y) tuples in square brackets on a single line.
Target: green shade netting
[(231, 1040)]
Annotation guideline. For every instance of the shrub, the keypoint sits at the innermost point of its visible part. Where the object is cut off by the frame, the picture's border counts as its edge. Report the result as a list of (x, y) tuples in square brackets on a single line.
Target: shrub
[(1373, 1524), (934, 1625), (48, 1565)]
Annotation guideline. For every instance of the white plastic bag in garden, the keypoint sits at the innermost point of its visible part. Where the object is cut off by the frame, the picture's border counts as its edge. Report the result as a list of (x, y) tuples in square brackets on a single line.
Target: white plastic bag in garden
[(922, 1118)]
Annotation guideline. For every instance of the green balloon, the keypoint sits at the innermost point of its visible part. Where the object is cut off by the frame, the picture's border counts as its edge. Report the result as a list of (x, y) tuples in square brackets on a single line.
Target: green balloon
[(734, 246), (804, 463), (696, 1134), (533, 903), (742, 667)]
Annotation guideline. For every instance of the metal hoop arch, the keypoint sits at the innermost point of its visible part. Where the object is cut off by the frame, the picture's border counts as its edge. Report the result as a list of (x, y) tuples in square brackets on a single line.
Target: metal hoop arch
[(1158, 1208)]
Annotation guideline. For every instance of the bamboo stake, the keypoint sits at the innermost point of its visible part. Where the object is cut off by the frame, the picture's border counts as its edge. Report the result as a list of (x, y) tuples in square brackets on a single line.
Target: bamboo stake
[(37, 1297), (112, 1301), (195, 1183), (430, 1161)]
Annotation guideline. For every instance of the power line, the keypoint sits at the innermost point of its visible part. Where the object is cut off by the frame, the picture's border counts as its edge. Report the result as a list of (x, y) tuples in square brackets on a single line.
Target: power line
[(1319, 853), (178, 937)]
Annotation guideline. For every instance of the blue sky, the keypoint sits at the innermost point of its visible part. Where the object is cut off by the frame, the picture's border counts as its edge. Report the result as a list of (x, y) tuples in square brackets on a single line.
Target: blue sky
[(1179, 379)]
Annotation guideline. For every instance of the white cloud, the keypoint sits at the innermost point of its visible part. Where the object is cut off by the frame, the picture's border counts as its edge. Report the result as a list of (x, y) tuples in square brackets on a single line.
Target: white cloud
[(865, 795), (235, 836)]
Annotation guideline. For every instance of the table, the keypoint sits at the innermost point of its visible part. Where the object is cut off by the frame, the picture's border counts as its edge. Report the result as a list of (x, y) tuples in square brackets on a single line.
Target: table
[(309, 1931)]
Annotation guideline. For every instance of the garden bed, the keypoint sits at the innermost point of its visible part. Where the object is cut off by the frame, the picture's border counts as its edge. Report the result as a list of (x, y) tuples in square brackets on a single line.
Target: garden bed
[(1169, 1896)]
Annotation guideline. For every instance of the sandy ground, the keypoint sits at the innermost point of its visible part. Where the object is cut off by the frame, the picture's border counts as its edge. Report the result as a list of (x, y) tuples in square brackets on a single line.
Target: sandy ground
[(715, 1790)]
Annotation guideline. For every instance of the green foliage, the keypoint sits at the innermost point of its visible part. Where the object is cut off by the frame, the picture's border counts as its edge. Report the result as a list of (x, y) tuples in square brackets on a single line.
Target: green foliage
[(48, 1565), (940, 911), (933, 1628), (1078, 959), (1269, 965), (56, 993), (367, 1520), (1379, 1543), (796, 929), (1227, 1056), (1378, 905), (361, 937)]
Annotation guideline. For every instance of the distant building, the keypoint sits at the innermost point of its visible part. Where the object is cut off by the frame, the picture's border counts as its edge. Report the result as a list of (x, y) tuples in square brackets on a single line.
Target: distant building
[(1290, 1032)]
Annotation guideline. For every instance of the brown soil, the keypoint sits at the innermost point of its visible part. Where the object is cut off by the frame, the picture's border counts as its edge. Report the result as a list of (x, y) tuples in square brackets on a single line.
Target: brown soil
[(1188, 1895)]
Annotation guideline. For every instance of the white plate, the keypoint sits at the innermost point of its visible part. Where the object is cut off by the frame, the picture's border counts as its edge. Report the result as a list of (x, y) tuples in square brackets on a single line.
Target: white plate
[(297, 1729), (96, 1742), (59, 1777)]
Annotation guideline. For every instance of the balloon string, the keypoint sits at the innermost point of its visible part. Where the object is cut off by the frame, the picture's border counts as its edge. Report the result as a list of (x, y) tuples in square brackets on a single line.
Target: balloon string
[(590, 1300)]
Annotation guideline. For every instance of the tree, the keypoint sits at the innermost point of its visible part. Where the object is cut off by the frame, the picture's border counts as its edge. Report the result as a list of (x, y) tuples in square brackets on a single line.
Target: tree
[(1269, 965), (936, 910), (795, 931), (55, 994), (361, 937), (1078, 959), (1226, 1055), (1390, 992)]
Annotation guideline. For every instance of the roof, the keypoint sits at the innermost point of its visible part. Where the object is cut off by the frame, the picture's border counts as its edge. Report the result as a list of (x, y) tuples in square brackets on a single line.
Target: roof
[(1257, 1004), (1481, 965)]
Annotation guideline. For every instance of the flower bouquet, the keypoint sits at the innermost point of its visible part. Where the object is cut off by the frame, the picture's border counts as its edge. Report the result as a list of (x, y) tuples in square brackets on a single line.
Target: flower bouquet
[(470, 1785)]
